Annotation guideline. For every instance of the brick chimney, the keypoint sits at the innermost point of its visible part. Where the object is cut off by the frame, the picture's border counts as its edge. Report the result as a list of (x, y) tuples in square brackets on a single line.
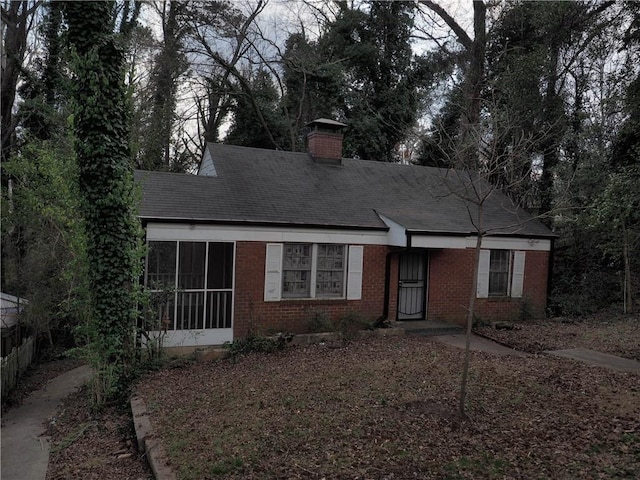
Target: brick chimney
[(325, 140)]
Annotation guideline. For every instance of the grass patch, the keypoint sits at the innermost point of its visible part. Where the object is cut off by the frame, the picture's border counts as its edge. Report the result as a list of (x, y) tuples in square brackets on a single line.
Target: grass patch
[(226, 466), (484, 466), (72, 438)]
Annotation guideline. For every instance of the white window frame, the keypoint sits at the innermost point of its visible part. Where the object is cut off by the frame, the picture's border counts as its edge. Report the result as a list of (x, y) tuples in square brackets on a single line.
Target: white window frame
[(176, 291), (313, 280), (352, 273), (515, 282), (507, 286)]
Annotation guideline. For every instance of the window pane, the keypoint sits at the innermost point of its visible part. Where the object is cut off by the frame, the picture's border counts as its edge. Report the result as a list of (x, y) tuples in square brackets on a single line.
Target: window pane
[(162, 304), (499, 272), (191, 265), (218, 310), (330, 271), (297, 256), (296, 283), (220, 268), (296, 274), (161, 265), (190, 312)]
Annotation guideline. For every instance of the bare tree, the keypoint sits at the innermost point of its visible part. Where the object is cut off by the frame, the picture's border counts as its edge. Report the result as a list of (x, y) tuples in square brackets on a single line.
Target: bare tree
[(477, 158), (221, 44), (17, 21)]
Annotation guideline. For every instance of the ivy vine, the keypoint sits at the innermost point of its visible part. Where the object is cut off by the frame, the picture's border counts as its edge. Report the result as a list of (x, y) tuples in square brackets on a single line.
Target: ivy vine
[(108, 194)]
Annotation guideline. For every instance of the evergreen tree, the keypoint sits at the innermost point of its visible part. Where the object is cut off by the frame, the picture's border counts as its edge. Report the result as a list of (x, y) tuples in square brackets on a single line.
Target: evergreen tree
[(626, 147), (312, 87), (160, 102), (380, 76), (43, 243), (247, 129)]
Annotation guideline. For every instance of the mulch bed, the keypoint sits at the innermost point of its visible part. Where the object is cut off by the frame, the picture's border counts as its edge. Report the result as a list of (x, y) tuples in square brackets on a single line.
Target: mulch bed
[(606, 333), (94, 445)]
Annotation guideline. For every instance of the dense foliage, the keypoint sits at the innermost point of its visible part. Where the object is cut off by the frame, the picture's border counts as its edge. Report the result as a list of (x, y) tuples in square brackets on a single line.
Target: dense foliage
[(107, 194)]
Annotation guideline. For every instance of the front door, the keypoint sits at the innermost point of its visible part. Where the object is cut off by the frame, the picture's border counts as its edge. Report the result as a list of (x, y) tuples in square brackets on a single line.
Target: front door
[(411, 286)]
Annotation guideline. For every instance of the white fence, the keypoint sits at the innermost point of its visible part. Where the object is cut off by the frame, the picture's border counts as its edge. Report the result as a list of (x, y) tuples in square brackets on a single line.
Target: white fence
[(14, 364)]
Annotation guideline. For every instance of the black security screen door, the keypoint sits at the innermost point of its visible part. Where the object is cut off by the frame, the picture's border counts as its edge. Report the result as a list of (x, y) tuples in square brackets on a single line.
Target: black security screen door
[(411, 286)]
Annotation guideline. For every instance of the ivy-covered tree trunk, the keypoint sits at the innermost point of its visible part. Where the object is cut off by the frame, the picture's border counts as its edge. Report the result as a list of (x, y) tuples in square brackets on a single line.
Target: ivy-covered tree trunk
[(106, 186)]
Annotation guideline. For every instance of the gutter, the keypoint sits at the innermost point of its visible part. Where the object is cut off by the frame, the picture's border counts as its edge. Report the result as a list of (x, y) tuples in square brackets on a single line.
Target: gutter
[(550, 271), (387, 288), (203, 221), (473, 234)]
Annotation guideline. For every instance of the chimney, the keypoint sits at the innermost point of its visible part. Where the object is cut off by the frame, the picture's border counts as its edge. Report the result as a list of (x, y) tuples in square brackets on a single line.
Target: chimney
[(325, 141)]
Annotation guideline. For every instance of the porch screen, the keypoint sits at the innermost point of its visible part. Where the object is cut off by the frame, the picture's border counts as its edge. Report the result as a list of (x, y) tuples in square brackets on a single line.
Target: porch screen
[(191, 284)]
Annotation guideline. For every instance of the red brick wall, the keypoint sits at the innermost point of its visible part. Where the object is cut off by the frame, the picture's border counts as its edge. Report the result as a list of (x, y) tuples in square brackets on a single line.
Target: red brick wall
[(253, 314), (450, 282), (450, 275), (325, 144), (393, 286)]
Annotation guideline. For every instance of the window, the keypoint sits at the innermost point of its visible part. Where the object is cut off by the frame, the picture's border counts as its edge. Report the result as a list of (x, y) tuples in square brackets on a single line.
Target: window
[(308, 270), (296, 270), (191, 284), (501, 273), (330, 271), (313, 270)]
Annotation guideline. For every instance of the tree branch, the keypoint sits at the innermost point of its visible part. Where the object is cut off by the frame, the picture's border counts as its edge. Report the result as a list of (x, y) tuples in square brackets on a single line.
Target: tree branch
[(463, 37)]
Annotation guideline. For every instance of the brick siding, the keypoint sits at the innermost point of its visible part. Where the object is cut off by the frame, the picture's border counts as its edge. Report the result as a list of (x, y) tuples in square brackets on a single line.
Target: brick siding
[(325, 144), (450, 280), (253, 315)]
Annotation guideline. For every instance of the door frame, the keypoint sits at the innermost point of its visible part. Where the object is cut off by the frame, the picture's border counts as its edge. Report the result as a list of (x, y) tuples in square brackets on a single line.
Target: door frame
[(424, 258)]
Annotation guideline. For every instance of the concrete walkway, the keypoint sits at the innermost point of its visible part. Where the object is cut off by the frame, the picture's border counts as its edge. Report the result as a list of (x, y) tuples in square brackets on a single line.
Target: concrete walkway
[(479, 344), (25, 449), (600, 359)]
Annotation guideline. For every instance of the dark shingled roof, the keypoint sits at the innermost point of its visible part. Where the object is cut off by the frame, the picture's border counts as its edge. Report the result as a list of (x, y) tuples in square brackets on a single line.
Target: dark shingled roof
[(275, 187)]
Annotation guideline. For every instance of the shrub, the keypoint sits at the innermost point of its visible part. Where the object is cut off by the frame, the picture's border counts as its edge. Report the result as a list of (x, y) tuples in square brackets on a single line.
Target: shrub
[(319, 322), (258, 343), (350, 324)]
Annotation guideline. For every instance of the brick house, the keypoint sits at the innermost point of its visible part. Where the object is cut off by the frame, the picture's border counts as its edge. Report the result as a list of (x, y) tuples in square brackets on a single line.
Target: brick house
[(264, 241)]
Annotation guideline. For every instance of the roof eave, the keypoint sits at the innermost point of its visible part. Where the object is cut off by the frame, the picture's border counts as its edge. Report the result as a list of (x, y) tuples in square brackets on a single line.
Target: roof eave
[(473, 233), (253, 223)]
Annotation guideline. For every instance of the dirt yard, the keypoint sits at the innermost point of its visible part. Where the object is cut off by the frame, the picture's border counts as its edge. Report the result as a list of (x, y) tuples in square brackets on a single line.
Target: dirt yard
[(380, 409)]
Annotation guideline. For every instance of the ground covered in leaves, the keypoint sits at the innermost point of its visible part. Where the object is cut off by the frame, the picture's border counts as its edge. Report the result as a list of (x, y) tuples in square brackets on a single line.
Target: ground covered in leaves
[(94, 445), (386, 408), (604, 332), (84, 444), (376, 409)]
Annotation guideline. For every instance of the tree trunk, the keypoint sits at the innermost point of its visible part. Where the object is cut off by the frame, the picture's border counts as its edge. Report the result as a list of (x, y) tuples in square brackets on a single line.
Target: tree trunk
[(628, 295), (17, 24), (470, 315)]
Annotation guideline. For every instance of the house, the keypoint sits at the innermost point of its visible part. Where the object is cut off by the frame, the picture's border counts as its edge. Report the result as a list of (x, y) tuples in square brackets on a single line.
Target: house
[(10, 308), (264, 241)]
